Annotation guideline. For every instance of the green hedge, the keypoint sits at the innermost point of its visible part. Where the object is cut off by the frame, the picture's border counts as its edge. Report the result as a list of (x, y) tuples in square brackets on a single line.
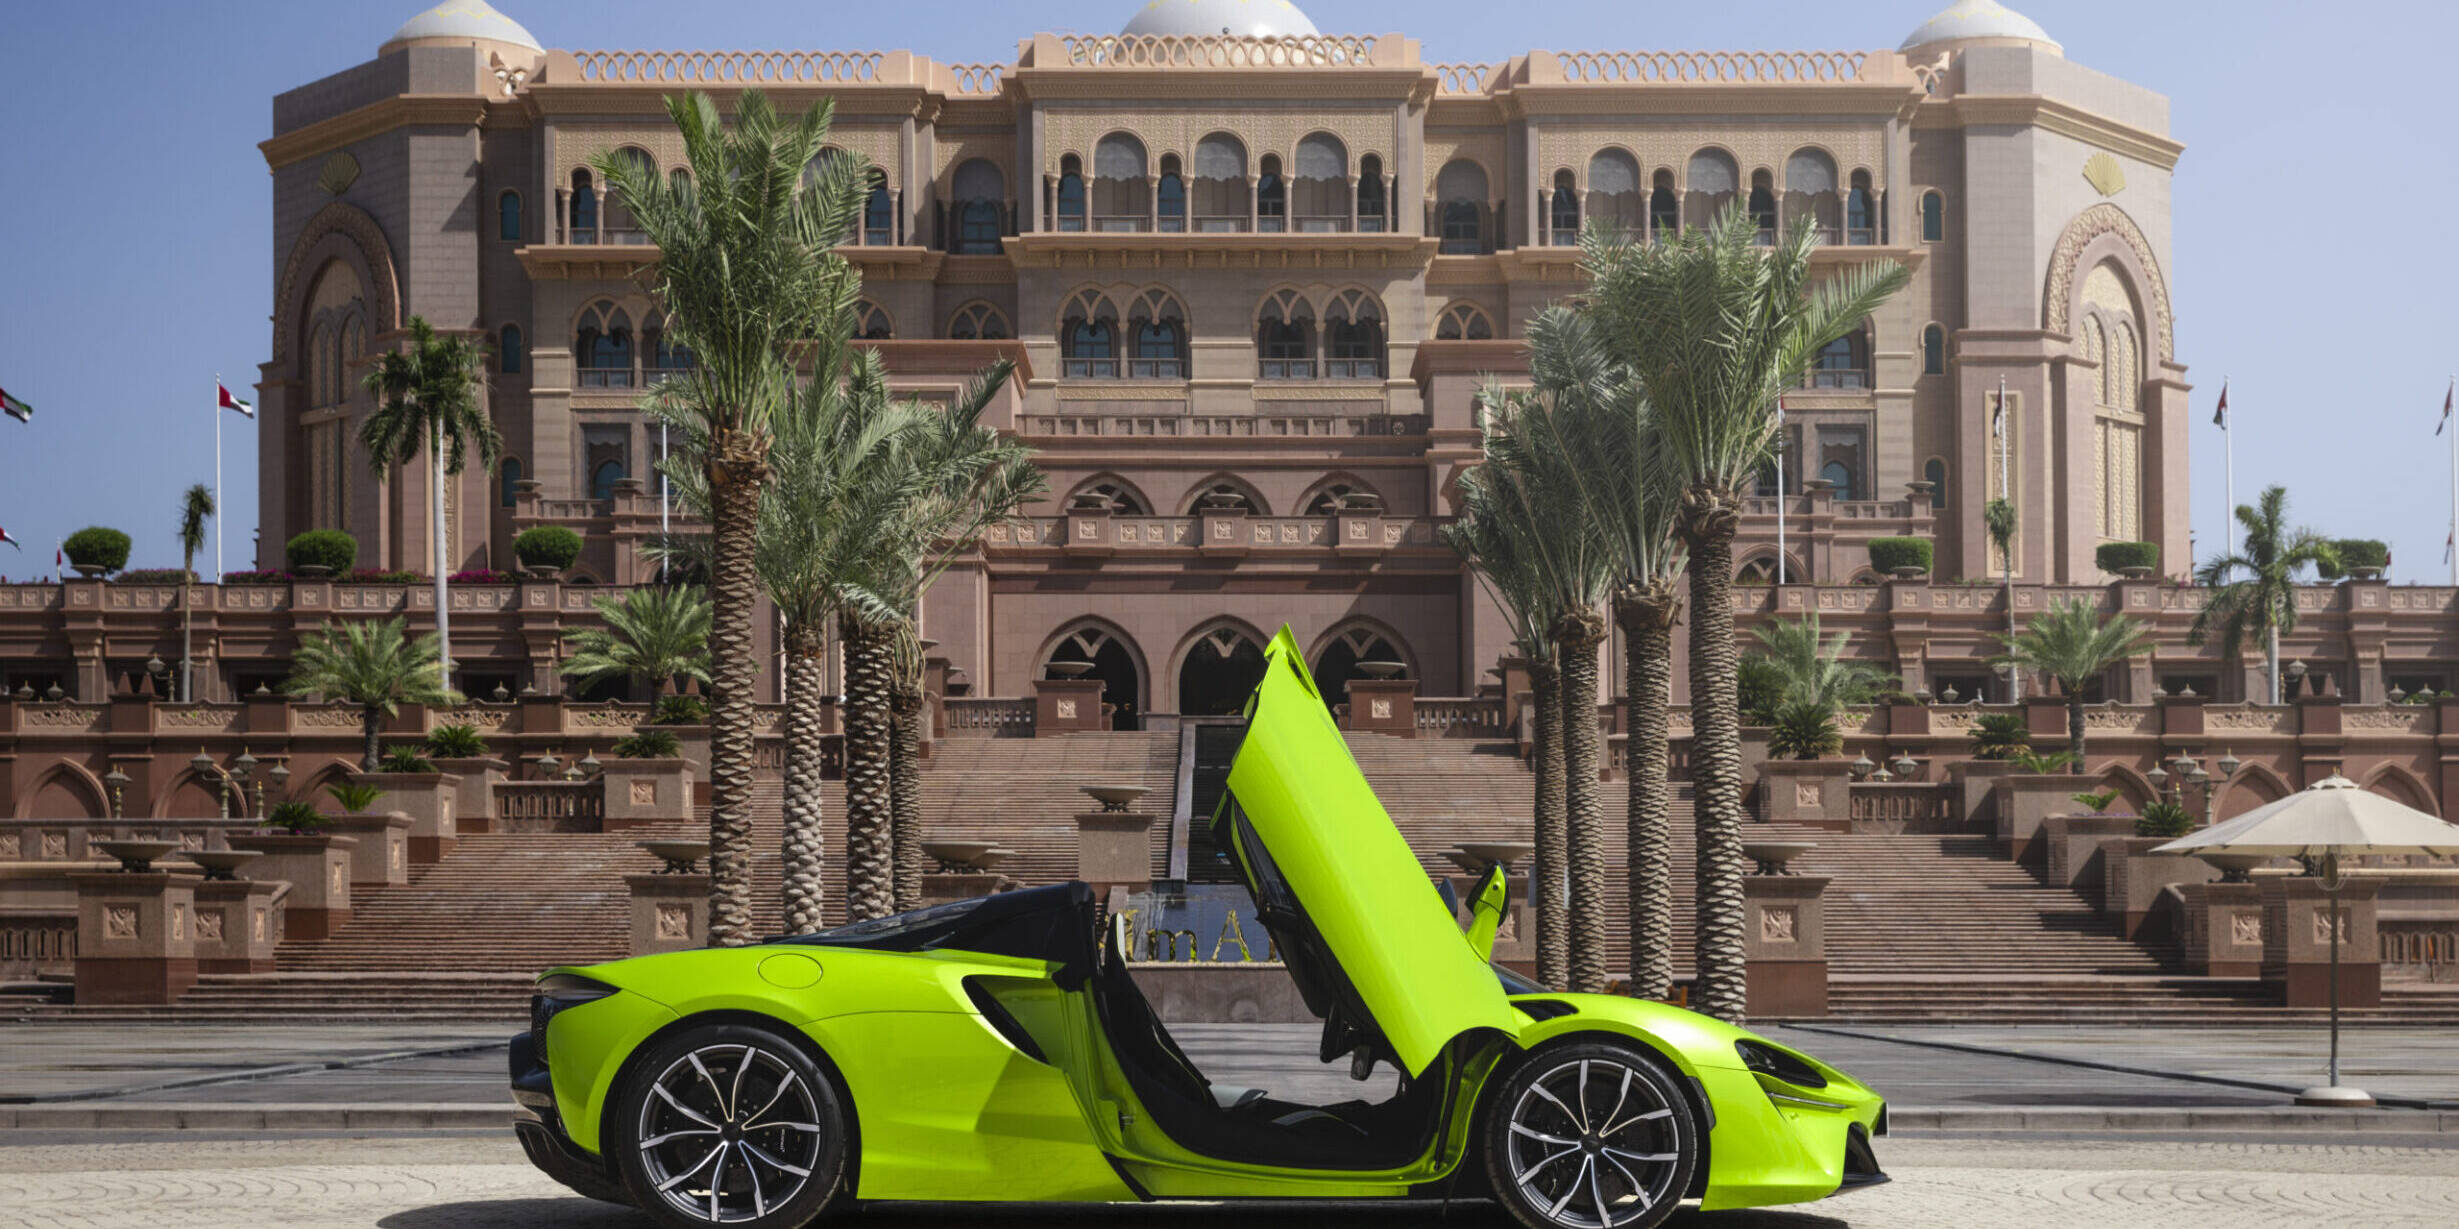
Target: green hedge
[(2356, 553), (1888, 554), (95, 545), (2116, 557), (322, 548), (547, 546)]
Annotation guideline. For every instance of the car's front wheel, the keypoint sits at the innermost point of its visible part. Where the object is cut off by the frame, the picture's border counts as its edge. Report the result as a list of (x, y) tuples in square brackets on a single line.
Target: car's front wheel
[(1589, 1136), (727, 1124)]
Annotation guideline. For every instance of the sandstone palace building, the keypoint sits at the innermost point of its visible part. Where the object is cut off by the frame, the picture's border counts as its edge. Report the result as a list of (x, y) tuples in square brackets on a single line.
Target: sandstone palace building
[(1253, 276)]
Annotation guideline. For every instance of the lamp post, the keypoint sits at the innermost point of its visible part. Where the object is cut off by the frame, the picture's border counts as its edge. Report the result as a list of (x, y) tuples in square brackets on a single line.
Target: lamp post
[(235, 777), (118, 781)]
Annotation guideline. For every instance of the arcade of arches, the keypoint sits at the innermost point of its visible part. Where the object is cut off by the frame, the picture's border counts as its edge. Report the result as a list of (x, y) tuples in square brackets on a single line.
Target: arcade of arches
[(1217, 668)]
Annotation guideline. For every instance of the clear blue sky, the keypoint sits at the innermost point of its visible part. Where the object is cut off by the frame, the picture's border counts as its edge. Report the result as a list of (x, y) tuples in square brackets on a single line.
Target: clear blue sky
[(2310, 263)]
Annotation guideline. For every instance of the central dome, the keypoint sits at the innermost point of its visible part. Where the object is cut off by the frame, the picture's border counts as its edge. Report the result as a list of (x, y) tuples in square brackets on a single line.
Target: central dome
[(1240, 18)]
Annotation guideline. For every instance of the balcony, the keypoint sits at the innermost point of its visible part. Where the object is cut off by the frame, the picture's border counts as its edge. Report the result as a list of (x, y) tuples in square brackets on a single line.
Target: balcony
[(1089, 368), (1353, 369), (606, 377), (1849, 379), (1156, 369), (1286, 369)]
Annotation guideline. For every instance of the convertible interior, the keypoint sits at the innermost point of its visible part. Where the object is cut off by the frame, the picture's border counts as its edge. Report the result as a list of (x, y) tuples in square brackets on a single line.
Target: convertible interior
[(1065, 924)]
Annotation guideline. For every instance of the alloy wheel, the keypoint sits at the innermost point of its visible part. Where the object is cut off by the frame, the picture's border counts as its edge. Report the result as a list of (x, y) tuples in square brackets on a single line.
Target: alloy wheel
[(1593, 1144), (728, 1133)]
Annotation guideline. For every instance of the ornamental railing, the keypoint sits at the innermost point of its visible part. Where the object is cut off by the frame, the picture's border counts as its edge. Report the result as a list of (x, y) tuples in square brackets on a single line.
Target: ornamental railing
[(1216, 51), (987, 716), (1454, 79), (1766, 67), (797, 67), (549, 806), (1460, 716)]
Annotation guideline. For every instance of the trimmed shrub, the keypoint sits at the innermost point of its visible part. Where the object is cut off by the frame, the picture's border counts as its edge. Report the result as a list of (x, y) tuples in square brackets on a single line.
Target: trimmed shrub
[(97, 546), (2164, 819), (456, 742), (322, 548), (1804, 732), (2097, 801), (2354, 553), (274, 576), (404, 759), (295, 817), (2000, 736), (355, 796), (547, 546), (479, 576), (649, 743), (2043, 763), (679, 710), (2116, 557), (1888, 554), (155, 576)]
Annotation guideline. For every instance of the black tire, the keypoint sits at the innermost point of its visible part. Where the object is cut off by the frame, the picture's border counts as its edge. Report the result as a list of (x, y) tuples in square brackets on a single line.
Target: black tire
[(736, 1102), (1589, 1135)]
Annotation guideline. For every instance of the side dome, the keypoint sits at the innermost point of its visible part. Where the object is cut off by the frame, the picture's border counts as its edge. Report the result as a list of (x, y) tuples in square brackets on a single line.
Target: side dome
[(1239, 18), (462, 21), (1979, 21)]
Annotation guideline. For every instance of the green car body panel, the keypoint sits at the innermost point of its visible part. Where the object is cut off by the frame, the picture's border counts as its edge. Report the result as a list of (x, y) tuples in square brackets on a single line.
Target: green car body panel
[(947, 1107)]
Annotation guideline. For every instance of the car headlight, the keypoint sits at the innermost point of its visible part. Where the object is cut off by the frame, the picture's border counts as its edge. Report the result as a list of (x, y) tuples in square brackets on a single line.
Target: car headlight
[(555, 993), (1769, 1061)]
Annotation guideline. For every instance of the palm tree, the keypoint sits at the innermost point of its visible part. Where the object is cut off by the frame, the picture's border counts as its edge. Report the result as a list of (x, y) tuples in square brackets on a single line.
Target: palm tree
[(194, 507), (2264, 602), (372, 665), (1713, 328), (745, 270), (2072, 643), (656, 634), (427, 397), (1495, 533), (1612, 459), (1814, 671)]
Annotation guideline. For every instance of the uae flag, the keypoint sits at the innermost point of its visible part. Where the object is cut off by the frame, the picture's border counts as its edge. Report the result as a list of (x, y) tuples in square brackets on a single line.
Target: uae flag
[(2446, 396), (229, 402), (4, 537), (2219, 417), (14, 408)]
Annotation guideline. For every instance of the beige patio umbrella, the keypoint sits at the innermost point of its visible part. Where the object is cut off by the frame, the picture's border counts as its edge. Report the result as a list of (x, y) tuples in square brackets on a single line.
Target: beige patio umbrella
[(2324, 823)]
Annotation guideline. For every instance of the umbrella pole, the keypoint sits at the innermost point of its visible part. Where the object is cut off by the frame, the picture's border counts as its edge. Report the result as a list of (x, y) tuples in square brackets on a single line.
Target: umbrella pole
[(2330, 902), (2332, 1094)]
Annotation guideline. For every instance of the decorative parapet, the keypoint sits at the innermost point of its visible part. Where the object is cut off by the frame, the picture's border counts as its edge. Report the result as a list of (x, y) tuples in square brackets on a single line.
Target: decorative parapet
[(738, 67), (1463, 80), (1219, 51), (1740, 67)]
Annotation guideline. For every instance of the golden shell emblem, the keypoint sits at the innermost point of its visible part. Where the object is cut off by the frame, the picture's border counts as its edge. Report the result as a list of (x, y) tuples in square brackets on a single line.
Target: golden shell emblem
[(340, 171), (2104, 174)]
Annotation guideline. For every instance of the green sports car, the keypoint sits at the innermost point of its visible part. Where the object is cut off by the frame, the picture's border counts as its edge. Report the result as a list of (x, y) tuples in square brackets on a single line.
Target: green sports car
[(997, 1049)]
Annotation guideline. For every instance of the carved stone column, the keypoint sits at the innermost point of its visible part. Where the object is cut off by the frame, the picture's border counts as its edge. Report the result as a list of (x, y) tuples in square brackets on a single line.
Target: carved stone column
[(1114, 849), (1811, 792), (644, 792), (318, 870), (136, 937), (669, 912), (381, 854), (2297, 940), (1784, 941), (2224, 929)]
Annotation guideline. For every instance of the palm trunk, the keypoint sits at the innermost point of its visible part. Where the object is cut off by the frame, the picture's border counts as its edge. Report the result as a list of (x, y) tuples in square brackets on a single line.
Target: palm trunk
[(2074, 728), (805, 851), (1579, 633), (435, 536), (371, 728), (905, 794), (870, 886), (187, 623), (737, 467), (1708, 519), (2271, 657), (1647, 620), (1553, 828)]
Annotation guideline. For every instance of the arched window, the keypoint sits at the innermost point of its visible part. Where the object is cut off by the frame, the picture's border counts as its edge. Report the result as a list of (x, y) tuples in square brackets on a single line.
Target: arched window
[(1285, 338), (1613, 192), (1218, 673), (1157, 331), (1353, 337), (1072, 199), (1221, 202), (1933, 217), (1460, 205), (1170, 197), (1463, 322), (1841, 476), (1322, 186), (508, 481), (1226, 496), (1934, 472), (1763, 206), (1562, 220), (508, 216), (979, 321), (584, 208), (665, 355), (1111, 494), (879, 212), (2109, 336), (602, 480), (1759, 571), (680, 179), (1088, 338), (321, 353), (1709, 185), (1934, 351), (1664, 208), (1372, 205), (1122, 196), (1110, 659), (1861, 212), (871, 323), (602, 348), (1357, 652), (1843, 363), (1271, 197), (1331, 497), (979, 202), (1810, 194), (621, 227), (509, 350)]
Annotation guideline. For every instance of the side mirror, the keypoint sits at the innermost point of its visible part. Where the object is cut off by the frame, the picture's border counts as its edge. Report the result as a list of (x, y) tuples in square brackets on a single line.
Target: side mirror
[(1489, 901)]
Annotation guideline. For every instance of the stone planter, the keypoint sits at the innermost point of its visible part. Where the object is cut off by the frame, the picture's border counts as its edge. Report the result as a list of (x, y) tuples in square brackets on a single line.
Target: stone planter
[(1114, 849), (2024, 802), (2224, 929), (2297, 940), (1808, 792), (640, 793), (1067, 705), (382, 853), (474, 795), (235, 926), (1976, 783), (1383, 706), (2133, 878), (430, 799), (1784, 940), (669, 912), (317, 868), (2073, 846), (136, 937)]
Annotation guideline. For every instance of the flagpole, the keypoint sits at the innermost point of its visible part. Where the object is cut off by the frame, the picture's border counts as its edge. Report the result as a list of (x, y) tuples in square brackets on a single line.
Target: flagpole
[(1781, 576), (2006, 491), (217, 477), (2228, 457), (2448, 550)]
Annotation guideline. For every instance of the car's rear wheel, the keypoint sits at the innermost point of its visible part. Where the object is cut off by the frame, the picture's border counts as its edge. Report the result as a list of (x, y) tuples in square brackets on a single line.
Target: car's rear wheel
[(728, 1124), (1589, 1136)]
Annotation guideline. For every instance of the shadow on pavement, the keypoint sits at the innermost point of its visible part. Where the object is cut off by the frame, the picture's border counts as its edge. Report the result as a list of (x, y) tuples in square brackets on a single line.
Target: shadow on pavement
[(584, 1214)]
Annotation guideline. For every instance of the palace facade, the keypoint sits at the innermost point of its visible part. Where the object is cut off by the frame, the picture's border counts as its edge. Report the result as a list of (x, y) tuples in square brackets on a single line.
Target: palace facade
[(1253, 275)]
